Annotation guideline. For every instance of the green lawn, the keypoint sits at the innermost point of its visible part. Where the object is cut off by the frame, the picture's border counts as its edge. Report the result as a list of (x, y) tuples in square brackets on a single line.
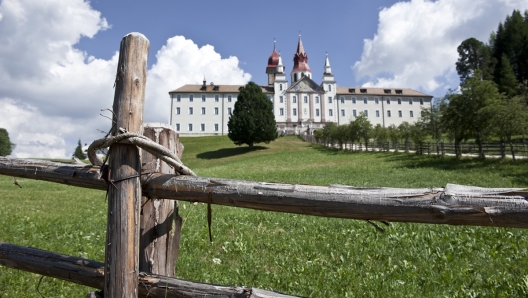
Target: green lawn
[(301, 255)]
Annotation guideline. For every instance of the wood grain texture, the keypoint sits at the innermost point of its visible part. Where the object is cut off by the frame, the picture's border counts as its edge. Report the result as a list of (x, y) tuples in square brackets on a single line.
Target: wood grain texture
[(454, 204), (91, 273), (160, 223), (122, 234)]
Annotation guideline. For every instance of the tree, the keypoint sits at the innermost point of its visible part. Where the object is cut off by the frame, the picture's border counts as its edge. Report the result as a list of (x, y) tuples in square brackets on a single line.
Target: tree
[(381, 135), (509, 117), (6, 147), (404, 130), (507, 81), (430, 120), (252, 120), (362, 127), (79, 152), (472, 55), (394, 135)]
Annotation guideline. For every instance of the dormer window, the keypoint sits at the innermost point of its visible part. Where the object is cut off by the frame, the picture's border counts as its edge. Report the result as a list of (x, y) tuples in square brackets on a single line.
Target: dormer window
[(351, 90), (399, 91), (387, 91), (363, 90)]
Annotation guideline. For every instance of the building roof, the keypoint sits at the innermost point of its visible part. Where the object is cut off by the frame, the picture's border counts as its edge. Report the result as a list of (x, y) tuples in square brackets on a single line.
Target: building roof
[(215, 89), (379, 91)]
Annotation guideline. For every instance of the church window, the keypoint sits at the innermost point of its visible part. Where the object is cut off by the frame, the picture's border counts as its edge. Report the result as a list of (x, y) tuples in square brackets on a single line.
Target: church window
[(342, 112), (229, 98), (178, 98), (421, 101), (400, 114), (388, 113), (202, 127), (329, 87), (229, 111), (317, 99), (330, 112), (281, 112), (203, 98), (217, 98), (216, 126), (203, 111), (306, 99), (353, 100), (294, 99), (177, 111), (191, 98), (305, 111), (365, 100), (317, 112), (377, 113), (388, 101), (354, 113), (190, 126), (216, 111), (342, 99), (399, 101), (376, 100), (280, 87), (411, 114), (281, 99), (295, 77), (329, 99), (366, 113), (190, 111), (294, 112), (410, 101), (177, 126)]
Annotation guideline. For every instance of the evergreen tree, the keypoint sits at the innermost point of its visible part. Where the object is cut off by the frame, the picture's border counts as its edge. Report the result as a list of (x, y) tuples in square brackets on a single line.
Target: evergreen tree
[(79, 152), (472, 55), (507, 82), (252, 120), (6, 147)]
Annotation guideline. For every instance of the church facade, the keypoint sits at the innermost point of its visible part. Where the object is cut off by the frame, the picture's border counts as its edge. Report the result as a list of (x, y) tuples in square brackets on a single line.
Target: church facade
[(301, 106)]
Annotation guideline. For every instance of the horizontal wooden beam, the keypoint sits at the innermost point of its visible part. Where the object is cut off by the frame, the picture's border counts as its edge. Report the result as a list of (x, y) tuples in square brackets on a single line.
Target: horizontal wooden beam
[(91, 273), (453, 204)]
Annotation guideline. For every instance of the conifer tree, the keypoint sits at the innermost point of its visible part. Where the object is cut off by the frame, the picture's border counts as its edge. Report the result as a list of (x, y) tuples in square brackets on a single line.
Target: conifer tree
[(252, 120), (79, 152)]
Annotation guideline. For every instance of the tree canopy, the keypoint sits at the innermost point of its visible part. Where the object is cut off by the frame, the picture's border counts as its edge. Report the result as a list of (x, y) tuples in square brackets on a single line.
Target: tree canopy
[(6, 147), (252, 120)]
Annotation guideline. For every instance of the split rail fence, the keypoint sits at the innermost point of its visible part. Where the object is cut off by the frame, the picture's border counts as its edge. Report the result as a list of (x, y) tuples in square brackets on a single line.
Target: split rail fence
[(137, 266), (498, 150)]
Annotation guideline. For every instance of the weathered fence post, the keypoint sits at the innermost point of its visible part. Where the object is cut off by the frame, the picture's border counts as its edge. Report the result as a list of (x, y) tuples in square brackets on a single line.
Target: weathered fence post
[(160, 223), (124, 191)]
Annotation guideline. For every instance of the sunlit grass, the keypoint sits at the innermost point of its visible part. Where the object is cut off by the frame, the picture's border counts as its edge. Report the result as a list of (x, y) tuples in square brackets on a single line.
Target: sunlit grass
[(300, 255)]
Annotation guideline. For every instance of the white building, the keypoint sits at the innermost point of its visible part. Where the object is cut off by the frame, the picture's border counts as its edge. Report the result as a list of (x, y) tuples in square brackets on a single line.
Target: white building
[(302, 107)]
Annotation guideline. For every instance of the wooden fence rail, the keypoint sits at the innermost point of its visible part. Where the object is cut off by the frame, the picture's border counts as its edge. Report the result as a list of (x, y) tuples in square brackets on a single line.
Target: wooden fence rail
[(91, 273), (500, 150), (454, 204)]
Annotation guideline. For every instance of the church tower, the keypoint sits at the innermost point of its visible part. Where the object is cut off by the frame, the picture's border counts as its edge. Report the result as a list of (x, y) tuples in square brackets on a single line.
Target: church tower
[(271, 69), (329, 83), (300, 64), (330, 90)]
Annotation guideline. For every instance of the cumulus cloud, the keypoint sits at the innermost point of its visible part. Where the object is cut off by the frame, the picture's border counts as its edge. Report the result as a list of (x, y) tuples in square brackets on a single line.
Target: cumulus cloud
[(416, 42), (180, 61), (51, 93)]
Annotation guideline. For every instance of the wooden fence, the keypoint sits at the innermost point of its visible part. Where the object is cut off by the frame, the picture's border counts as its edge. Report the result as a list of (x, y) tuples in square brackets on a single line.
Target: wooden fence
[(497, 150), (131, 184)]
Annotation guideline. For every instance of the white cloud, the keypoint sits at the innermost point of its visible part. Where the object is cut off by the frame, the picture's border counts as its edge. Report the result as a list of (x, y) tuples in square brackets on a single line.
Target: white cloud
[(180, 61), (416, 42), (51, 93)]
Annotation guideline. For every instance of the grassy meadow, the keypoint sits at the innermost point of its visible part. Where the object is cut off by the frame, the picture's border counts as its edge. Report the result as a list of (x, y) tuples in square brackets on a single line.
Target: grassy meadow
[(298, 255)]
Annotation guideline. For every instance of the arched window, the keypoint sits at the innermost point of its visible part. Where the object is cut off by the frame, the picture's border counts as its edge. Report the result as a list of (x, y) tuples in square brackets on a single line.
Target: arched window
[(329, 87), (280, 87)]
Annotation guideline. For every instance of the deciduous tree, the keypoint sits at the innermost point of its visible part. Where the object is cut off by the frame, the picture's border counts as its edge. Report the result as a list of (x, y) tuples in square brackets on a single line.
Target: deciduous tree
[(6, 147)]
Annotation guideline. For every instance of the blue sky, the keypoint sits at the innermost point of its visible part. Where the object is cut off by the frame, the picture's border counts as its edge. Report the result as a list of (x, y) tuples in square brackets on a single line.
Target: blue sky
[(58, 58)]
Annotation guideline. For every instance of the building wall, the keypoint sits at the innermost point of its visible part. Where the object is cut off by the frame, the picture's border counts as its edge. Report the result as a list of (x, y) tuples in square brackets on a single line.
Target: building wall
[(337, 108)]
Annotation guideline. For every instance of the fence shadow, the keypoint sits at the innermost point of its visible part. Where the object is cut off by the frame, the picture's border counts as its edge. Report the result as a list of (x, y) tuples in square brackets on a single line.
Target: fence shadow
[(228, 152)]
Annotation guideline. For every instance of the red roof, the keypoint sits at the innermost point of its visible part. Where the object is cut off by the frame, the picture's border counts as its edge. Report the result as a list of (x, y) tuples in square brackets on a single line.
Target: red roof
[(300, 59)]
